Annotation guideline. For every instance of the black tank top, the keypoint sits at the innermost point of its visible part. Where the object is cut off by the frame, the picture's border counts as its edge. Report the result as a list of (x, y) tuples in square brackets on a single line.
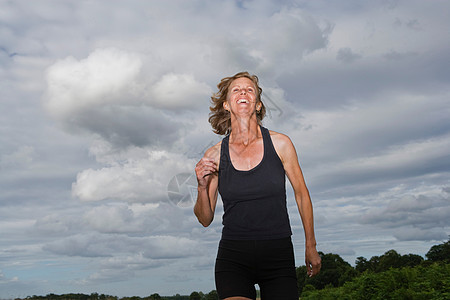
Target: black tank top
[(254, 201)]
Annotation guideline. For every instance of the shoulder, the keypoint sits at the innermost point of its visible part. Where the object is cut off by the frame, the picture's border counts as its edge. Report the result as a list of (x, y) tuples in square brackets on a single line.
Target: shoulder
[(283, 145), (214, 152), (280, 140)]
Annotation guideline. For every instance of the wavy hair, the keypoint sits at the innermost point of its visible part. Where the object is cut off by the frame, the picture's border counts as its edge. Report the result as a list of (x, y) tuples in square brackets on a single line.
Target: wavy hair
[(219, 117)]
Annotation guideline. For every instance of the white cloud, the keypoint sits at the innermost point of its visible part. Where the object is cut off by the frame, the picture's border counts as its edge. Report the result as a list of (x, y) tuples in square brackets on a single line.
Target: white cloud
[(105, 245), (120, 218), (142, 180), (111, 219), (86, 245), (107, 94), (179, 91), (104, 77), (170, 247)]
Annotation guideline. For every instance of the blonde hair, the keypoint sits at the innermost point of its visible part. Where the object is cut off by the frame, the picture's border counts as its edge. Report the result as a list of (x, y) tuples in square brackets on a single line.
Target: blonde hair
[(220, 118)]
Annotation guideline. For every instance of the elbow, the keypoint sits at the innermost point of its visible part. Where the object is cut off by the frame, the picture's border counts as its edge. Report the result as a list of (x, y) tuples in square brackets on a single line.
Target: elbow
[(202, 219), (205, 222)]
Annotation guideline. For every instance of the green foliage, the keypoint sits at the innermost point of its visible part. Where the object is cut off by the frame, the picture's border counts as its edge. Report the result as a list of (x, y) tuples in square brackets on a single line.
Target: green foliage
[(361, 264), (411, 260), (439, 252), (335, 272), (390, 259), (432, 282), (212, 295), (177, 297), (389, 276), (195, 296), (301, 278), (93, 296)]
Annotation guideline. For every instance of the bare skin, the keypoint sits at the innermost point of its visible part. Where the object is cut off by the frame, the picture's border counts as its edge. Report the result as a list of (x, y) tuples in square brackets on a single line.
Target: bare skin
[(246, 151)]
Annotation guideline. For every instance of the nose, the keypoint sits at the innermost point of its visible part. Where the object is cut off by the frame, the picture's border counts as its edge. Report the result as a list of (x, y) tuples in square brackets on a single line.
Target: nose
[(243, 91)]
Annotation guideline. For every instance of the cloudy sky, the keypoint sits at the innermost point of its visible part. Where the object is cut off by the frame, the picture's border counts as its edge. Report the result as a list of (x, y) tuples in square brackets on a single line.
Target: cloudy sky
[(104, 110)]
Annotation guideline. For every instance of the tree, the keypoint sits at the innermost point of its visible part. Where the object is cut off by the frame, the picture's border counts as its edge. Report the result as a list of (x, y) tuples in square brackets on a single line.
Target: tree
[(212, 295), (301, 278), (361, 264), (195, 296), (94, 296), (439, 252), (374, 263), (335, 272), (411, 260), (419, 282), (390, 259), (155, 296)]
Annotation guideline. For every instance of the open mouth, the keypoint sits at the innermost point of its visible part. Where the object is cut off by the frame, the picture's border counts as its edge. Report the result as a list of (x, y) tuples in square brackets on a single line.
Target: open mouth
[(242, 101)]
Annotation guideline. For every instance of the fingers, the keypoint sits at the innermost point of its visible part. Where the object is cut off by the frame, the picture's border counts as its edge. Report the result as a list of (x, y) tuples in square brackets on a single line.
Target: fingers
[(312, 269), (313, 263), (206, 166), (315, 269)]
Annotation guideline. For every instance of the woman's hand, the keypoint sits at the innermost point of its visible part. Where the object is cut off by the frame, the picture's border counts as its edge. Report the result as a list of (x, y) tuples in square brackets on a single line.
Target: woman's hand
[(207, 180), (204, 168), (313, 261)]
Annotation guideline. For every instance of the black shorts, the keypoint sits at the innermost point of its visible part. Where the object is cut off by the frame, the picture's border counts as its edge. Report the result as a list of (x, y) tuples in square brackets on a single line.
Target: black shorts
[(269, 263)]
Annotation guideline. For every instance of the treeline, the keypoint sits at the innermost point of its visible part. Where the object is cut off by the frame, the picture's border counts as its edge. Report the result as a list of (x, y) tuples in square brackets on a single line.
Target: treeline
[(389, 276), (95, 296), (420, 282)]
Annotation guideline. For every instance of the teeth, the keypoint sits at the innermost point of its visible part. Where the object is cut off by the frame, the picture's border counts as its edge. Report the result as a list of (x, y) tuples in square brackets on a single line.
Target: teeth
[(242, 101)]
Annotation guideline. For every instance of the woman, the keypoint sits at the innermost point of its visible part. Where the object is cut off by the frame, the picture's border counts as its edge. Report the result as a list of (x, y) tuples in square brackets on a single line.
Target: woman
[(248, 168)]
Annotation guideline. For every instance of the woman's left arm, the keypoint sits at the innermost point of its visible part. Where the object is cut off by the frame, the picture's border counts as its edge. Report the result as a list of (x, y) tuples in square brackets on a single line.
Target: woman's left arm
[(288, 155)]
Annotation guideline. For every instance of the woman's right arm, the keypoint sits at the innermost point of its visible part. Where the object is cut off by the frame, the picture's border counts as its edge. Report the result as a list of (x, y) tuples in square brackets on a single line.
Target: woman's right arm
[(207, 189)]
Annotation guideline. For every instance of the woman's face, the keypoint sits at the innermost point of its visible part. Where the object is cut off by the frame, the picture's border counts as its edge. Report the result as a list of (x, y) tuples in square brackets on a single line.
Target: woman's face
[(242, 96)]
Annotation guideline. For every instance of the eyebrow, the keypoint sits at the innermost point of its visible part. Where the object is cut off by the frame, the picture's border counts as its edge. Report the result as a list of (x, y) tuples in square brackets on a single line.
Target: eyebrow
[(237, 85)]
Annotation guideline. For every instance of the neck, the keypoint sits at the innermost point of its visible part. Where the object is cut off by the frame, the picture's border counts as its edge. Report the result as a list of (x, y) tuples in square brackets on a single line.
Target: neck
[(244, 131)]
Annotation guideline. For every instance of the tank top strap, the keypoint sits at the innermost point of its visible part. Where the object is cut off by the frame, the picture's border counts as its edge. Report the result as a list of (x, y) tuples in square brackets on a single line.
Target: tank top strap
[(224, 159), (269, 148), (266, 138)]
